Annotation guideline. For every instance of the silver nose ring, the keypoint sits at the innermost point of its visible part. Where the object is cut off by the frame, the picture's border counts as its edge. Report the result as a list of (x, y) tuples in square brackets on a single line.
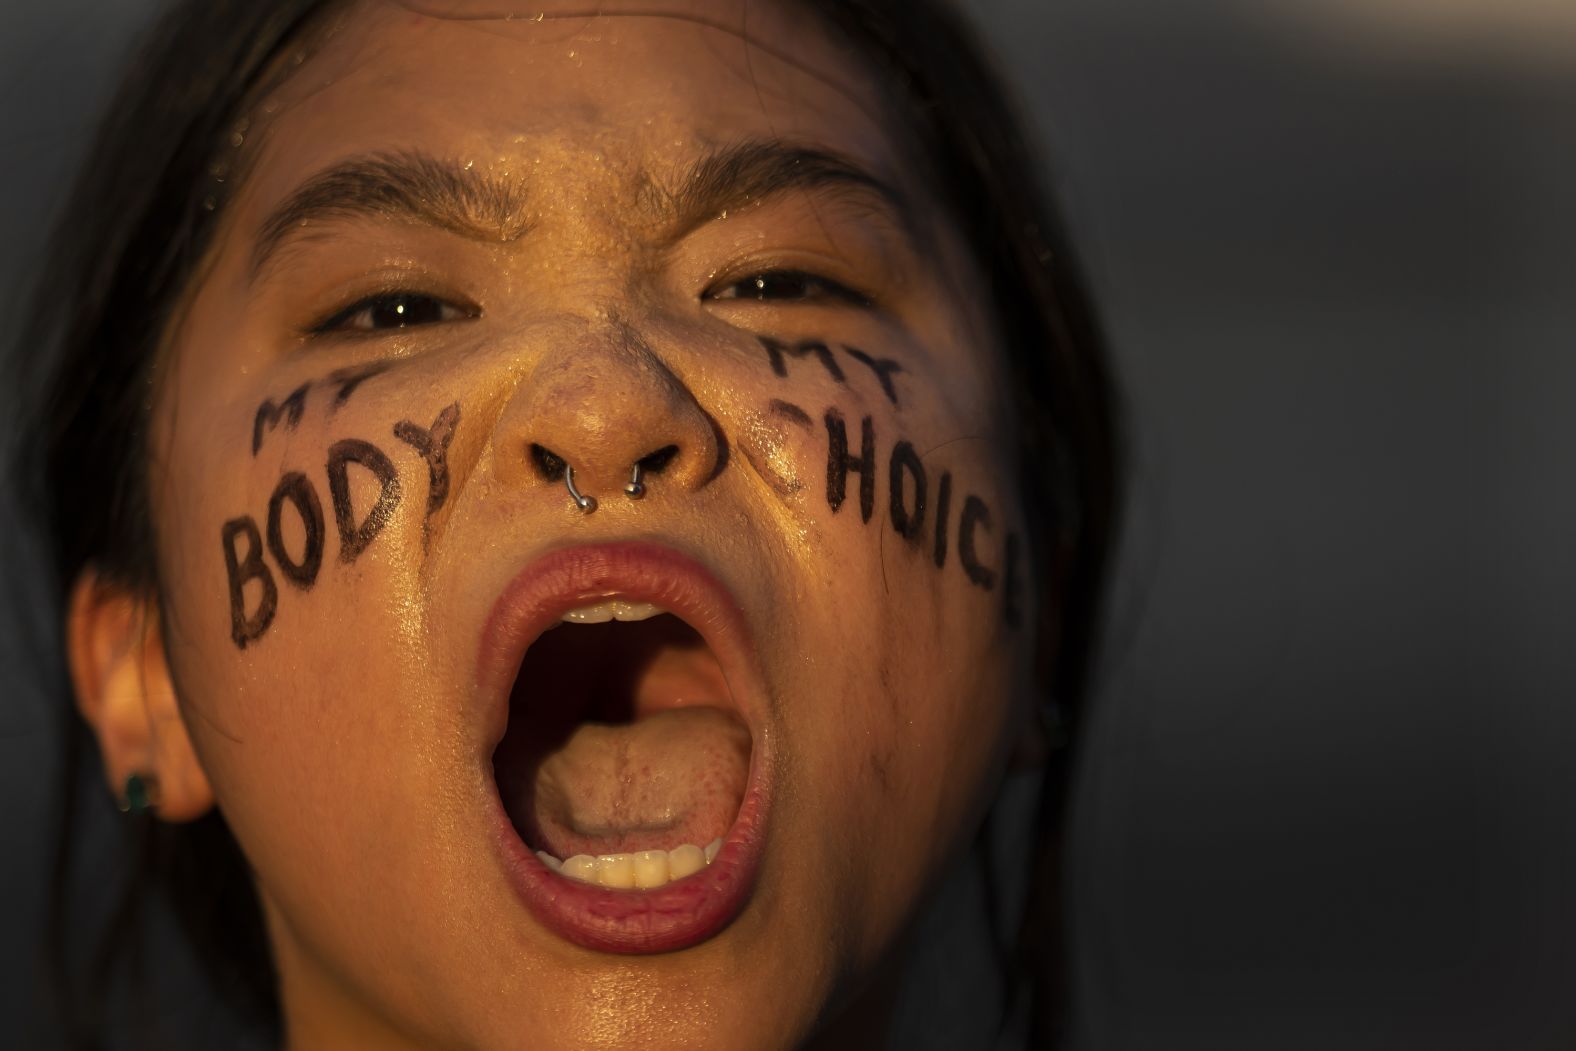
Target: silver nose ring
[(582, 501), (636, 489)]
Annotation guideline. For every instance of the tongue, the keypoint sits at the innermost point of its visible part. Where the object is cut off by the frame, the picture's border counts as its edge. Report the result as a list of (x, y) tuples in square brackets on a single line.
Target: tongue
[(667, 779)]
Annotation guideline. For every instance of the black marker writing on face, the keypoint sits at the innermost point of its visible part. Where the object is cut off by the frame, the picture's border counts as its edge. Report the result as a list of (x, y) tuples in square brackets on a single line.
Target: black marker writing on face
[(882, 367), (433, 445), (347, 379), (302, 494), (943, 510), (269, 414), (244, 629), (354, 538), (779, 352), (839, 463), (975, 514), (296, 494), (789, 411), (908, 494), (905, 519)]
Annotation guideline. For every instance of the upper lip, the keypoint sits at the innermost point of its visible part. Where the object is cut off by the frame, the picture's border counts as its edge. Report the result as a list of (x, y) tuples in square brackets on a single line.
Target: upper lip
[(685, 911)]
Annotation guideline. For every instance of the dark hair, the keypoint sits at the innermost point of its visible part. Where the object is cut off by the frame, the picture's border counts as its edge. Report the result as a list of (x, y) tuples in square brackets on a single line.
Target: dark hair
[(142, 215)]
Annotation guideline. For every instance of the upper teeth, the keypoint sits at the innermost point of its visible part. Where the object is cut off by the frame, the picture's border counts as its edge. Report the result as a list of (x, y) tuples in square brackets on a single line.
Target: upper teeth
[(611, 609)]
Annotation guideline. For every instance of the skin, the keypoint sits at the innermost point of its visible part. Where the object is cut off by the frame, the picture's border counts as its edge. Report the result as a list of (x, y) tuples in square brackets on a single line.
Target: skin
[(341, 744)]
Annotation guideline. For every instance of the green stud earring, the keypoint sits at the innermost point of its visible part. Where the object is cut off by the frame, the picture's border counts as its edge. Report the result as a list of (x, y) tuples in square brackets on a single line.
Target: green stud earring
[(140, 795)]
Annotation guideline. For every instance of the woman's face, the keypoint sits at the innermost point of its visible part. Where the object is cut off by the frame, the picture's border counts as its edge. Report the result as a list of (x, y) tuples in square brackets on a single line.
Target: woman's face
[(470, 251)]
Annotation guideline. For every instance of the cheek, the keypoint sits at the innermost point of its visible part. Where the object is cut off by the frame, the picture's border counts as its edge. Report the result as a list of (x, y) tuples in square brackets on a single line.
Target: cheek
[(908, 639), (286, 529), (905, 726), (292, 496), (919, 609)]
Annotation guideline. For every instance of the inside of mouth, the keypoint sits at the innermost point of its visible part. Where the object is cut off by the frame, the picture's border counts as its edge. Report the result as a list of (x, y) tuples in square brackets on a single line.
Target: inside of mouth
[(624, 754)]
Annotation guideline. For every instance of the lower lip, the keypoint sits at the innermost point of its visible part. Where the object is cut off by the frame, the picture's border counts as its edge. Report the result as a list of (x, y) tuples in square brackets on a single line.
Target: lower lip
[(662, 919), (688, 910)]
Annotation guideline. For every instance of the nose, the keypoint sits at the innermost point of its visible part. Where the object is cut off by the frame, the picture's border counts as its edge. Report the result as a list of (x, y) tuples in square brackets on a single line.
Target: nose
[(602, 411)]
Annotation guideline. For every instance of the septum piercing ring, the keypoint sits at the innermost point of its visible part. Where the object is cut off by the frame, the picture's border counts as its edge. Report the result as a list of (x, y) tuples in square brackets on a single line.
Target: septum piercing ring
[(585, 503)]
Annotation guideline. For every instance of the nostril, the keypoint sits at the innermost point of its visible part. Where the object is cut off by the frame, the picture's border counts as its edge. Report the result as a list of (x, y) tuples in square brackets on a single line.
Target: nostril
[(548, 463), (653, 463)]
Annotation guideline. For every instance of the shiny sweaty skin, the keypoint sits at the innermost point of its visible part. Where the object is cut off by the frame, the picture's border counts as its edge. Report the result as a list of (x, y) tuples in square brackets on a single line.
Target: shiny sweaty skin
[(575, 306)]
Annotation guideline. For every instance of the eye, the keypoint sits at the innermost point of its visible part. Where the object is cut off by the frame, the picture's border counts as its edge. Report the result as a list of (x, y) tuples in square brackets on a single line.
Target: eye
[(393, 310), (790, 286)]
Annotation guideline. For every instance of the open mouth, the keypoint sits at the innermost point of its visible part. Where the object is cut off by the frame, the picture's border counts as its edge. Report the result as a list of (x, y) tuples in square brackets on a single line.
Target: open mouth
[(625, 760), (627, 752)]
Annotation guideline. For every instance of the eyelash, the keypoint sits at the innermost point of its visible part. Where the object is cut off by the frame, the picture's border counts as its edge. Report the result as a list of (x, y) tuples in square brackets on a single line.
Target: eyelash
[(761, 281), (755, 287), (407, 308)]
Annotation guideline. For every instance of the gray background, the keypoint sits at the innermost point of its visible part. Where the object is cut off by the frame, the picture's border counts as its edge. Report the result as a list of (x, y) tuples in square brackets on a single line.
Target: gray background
[(1325, 803)]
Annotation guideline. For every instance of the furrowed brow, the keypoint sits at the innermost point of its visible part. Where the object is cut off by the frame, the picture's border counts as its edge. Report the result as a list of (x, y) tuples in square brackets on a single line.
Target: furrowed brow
[(411, 186), (748, 172)]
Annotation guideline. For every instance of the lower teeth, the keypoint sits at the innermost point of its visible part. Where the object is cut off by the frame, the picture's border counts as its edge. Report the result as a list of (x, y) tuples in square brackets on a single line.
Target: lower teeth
[(644, 869)]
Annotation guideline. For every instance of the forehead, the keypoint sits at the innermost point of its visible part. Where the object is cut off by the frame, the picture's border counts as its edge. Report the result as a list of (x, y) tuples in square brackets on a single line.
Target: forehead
[(630, 90)]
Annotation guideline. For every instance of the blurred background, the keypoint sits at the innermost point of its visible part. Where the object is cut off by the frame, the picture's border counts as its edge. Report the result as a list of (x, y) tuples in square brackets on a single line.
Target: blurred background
[(1326, 800)]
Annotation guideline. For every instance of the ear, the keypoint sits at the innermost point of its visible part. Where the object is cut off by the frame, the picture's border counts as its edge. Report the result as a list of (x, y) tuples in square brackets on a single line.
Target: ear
[(115, 651)]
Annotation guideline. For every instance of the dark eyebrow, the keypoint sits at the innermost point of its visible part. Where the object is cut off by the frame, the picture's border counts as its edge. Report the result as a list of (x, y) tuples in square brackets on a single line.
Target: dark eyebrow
[(414, 186), (733, 176)]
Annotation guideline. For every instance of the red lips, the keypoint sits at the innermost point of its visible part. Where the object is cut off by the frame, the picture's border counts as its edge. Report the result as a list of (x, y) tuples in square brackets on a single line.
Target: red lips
[(685, 911)]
